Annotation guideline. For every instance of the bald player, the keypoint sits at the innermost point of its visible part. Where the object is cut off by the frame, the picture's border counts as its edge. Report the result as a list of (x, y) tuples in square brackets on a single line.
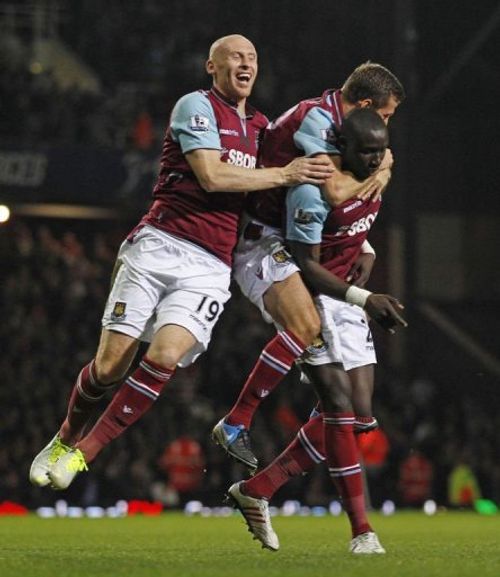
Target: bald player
[(173, 270)]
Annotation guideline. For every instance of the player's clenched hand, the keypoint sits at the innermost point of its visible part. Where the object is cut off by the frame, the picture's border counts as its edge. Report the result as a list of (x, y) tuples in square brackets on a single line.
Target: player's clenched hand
[(372, 190), (361, 269), (385, 310), (304, 170), (376, 186)]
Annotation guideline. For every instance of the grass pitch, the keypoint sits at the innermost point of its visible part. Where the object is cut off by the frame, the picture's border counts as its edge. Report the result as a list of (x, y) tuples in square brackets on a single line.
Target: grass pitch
[(448, 544)]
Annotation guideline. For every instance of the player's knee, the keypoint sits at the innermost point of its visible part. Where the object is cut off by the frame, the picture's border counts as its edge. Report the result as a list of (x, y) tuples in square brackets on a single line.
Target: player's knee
[(313, 328), (108, 370), (165, 356), (308, 327), (337, 404), (334, 397)]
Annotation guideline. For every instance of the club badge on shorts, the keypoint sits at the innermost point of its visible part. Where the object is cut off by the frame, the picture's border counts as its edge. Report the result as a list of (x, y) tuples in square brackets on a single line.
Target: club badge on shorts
[(119, 309), (281, 256), (318, 346)]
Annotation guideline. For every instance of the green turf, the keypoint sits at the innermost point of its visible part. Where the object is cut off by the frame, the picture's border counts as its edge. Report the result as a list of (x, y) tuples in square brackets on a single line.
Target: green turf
[(448, 544)]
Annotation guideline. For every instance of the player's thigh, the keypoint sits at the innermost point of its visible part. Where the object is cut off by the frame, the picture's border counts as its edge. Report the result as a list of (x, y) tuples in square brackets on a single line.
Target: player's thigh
[(332, 385), (362, 381), (185, 319), (290, 304), (114, 355), (136, 287), (258, 264)]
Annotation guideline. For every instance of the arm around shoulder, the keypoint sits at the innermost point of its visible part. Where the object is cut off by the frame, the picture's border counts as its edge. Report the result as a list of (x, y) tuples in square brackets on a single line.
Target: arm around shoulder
[(343, 186)]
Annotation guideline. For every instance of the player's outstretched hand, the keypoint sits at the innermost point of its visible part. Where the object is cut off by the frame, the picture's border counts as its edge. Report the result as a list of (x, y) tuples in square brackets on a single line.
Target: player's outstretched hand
[(304, 170), (385, 310)]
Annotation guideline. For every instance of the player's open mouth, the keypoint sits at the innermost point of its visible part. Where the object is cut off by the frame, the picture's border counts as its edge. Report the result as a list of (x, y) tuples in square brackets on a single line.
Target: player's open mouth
[(244, 77)]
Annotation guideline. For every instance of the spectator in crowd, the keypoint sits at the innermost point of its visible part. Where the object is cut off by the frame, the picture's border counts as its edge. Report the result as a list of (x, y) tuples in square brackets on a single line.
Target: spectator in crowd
[(183, 463), (463, 486), (416, 475), (374, 447)]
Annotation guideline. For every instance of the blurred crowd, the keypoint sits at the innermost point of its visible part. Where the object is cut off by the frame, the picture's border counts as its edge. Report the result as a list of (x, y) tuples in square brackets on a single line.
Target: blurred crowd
[(56, 275), (36, 111), (145, 59)]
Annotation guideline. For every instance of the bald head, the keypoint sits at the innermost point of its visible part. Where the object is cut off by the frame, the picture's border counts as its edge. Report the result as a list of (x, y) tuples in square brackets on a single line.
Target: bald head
[(225, 43), (232, 63)]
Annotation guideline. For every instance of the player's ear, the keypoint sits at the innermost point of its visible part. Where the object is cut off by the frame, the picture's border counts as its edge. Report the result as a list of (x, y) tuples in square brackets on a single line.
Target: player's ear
[(365, 103), (210, 67)]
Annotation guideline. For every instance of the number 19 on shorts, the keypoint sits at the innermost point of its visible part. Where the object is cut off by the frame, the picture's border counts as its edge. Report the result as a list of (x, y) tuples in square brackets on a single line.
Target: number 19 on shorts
[(208, 308)]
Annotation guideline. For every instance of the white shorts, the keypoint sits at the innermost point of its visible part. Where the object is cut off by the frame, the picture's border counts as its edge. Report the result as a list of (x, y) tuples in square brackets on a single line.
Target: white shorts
[(345, 336), (261, 261), (164, 280)]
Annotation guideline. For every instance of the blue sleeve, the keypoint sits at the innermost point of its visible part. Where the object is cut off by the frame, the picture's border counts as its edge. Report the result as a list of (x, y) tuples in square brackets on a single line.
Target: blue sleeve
[(315, 134), (306, 212), (193, 123)]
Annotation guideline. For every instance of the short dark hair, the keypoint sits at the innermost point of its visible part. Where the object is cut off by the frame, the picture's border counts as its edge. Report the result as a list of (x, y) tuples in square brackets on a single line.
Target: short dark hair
[(359, 121), (374, 81)]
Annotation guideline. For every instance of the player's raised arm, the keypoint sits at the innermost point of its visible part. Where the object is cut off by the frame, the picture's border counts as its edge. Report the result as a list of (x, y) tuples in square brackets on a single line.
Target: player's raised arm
[(342, 185)]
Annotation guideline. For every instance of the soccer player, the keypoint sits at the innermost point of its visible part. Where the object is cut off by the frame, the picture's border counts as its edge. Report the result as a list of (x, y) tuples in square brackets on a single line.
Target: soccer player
[(325, 241), (173, 270), (262, 264)]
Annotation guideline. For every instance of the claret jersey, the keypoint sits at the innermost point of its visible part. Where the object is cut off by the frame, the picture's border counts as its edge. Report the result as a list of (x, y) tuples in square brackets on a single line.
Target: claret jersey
[(181, 207), (340, 230), (305, 130)]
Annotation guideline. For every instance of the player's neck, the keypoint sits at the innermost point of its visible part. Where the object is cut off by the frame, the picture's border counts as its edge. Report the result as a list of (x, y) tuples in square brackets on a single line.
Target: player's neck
[(239, 103), (346, 106), (242, 107)]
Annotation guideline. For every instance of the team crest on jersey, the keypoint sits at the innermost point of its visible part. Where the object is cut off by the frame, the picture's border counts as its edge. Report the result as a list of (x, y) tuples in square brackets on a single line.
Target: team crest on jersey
[(119, 309), (318, 346), (199, 123), (301, 216), (281, 256)]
